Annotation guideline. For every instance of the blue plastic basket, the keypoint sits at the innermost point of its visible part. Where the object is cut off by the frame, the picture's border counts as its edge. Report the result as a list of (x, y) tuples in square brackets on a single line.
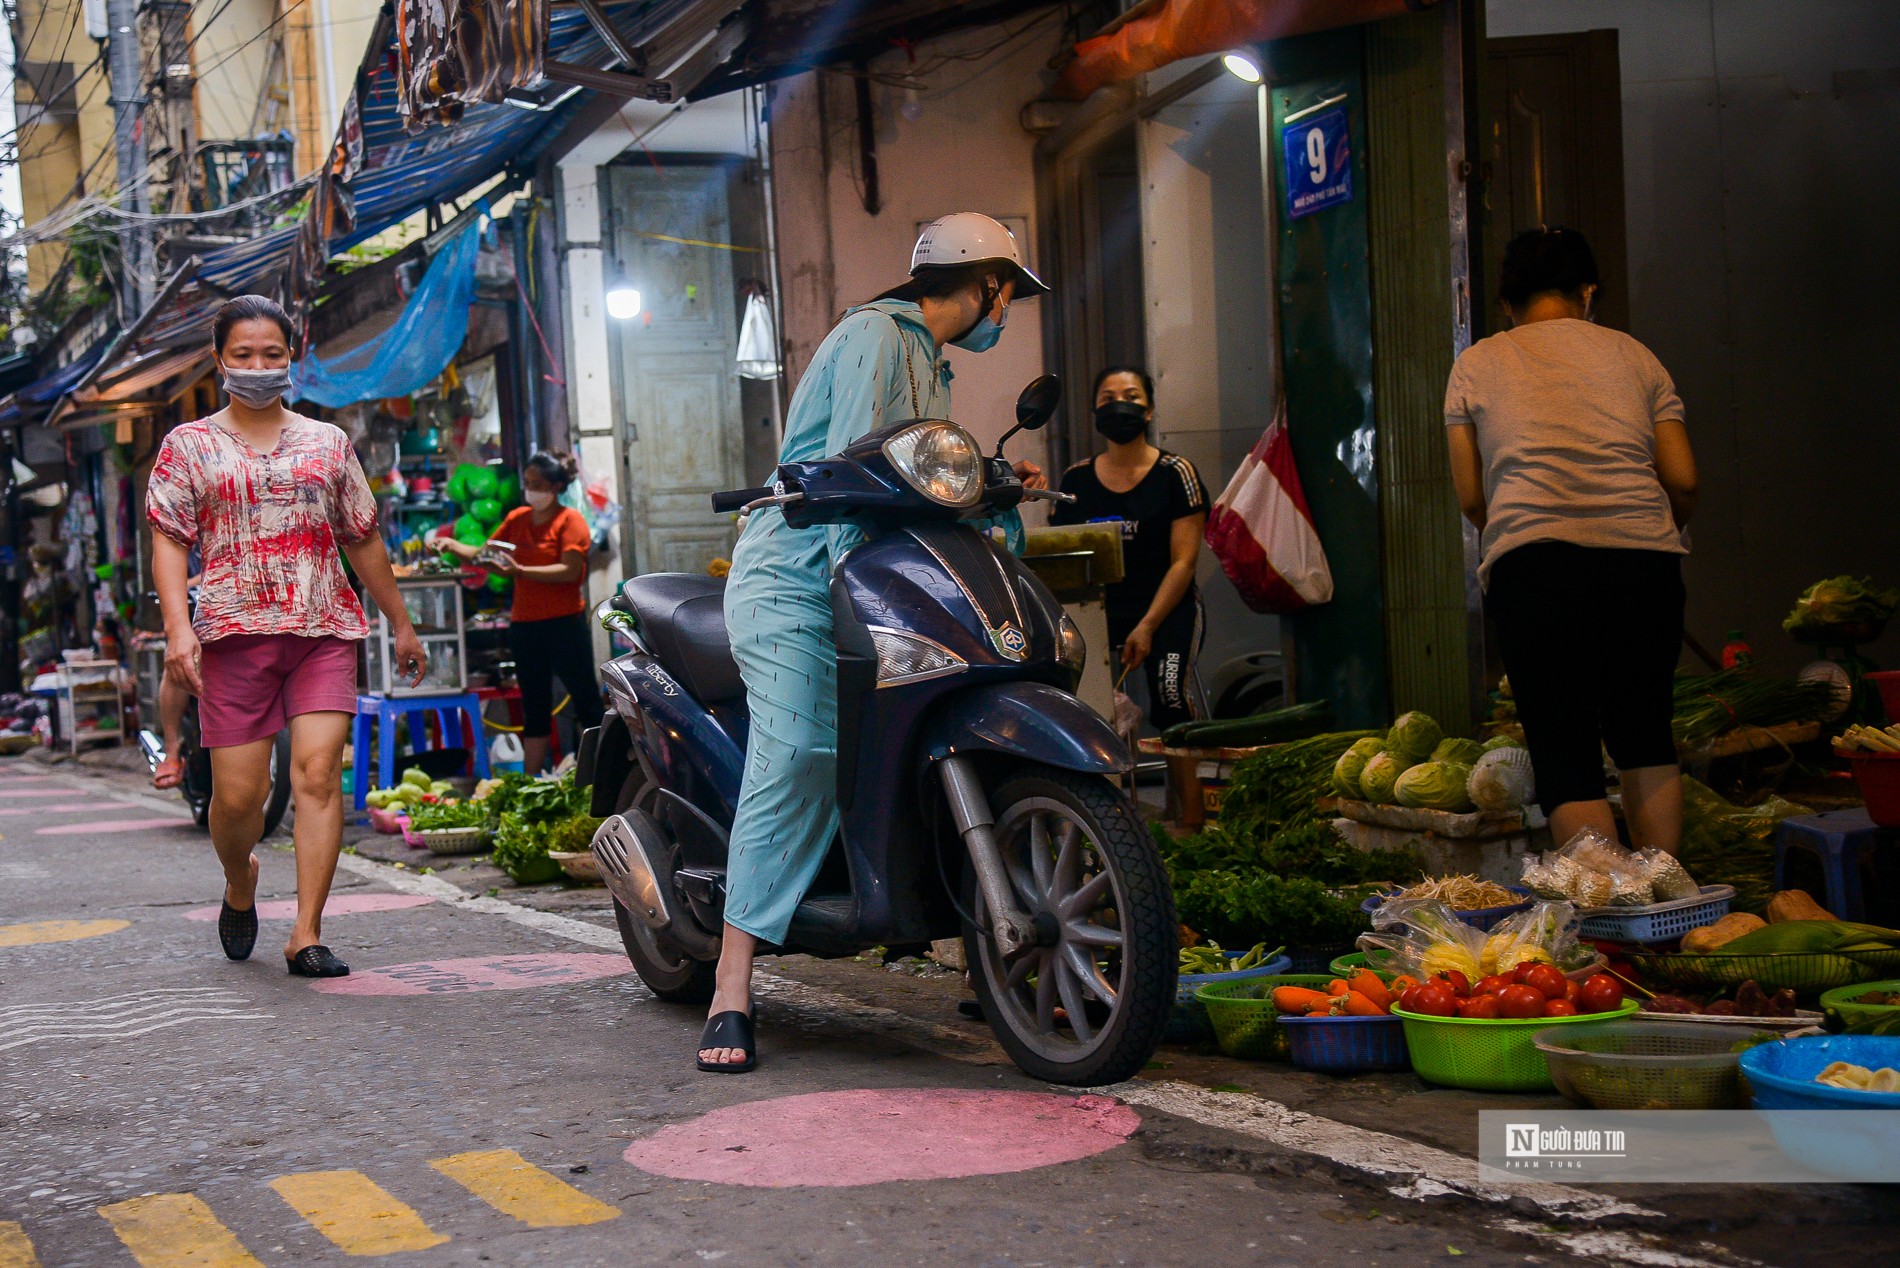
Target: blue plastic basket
[(1478, 917), (1658, 922), (1347, 1045), (1188, 1023), (1781, 1075)]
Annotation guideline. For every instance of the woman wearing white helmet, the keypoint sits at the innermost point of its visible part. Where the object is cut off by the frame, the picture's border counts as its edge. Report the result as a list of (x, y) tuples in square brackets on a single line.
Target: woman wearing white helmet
[(881, 364)]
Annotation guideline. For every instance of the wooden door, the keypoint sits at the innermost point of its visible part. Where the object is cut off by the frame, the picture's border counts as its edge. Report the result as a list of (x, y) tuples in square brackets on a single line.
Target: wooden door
[(1550, 150), (680, 428)]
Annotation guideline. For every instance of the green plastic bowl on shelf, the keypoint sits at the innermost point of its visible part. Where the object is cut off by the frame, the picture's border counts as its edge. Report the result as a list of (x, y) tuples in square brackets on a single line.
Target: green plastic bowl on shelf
[(1246, 1024), (1487, 1055), (1840, 1002), (1350, 963)]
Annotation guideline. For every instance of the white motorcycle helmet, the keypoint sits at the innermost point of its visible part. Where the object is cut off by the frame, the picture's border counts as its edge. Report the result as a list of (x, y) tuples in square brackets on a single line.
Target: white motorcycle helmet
[(970, 237)]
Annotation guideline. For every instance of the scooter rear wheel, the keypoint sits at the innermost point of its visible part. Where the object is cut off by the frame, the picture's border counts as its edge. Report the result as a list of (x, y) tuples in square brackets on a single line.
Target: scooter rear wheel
[(667, 971), (1088, 1004)]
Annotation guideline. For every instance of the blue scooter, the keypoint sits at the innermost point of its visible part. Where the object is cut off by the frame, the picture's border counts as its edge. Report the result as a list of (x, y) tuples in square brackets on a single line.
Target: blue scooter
[(976, 791)]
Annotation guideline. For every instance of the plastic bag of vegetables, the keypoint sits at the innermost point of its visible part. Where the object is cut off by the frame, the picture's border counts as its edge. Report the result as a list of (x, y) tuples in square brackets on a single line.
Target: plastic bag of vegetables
[(1544, 934), (1426, 937)]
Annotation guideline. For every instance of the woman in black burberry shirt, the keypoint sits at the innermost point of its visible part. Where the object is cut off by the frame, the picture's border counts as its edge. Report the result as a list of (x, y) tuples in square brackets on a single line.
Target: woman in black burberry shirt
[(1154, 611)]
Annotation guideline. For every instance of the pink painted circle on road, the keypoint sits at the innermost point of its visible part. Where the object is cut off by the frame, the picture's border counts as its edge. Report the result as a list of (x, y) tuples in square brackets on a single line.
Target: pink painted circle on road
[(110, 825), (837, 1139), (478, 973), (65, 808), (338, 905), (36, 792)]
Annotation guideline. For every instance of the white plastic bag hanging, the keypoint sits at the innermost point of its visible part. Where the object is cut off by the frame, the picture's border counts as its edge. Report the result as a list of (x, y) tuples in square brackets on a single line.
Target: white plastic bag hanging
[(758, 341), (1262, 531)]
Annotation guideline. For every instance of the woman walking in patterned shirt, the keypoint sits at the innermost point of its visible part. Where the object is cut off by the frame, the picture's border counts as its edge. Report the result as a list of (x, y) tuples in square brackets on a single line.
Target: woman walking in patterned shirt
[(269, 497)]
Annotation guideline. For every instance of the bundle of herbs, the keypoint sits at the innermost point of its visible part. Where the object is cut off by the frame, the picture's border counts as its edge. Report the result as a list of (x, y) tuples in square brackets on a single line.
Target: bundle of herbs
[(539, 815), (1706, 705), (1279, 788)]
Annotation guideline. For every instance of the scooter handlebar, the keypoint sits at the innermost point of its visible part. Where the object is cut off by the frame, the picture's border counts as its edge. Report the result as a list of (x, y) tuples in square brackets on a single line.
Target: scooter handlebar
[(735, 499)]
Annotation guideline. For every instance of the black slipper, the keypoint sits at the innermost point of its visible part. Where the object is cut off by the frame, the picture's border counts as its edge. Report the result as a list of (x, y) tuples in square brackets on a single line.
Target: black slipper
[(315, 960), (237, 930), (971, 1008), (729, 1030)]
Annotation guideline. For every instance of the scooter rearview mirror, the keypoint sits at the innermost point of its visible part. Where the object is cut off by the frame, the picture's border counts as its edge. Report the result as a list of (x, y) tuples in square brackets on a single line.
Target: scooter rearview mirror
[(1035, 407)]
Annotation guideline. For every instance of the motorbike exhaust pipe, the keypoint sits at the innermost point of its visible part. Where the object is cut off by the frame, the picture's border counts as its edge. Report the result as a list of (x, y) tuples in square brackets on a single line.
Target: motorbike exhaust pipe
[(970, 807), (634, 855), (153, 747)]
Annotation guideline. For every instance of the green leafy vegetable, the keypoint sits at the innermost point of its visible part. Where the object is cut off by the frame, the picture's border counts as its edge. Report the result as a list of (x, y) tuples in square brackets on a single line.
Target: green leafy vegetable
[(458, 814), (1413, 736), (1434, 786), (1352, 764), (1840, 601), (1453, 749)]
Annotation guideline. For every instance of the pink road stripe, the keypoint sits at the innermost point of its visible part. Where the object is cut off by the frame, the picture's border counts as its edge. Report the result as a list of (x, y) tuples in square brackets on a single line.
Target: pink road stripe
[(111, 825), (834, 1139), (38, 792), (338, 905), (477, 973), (68, 808)]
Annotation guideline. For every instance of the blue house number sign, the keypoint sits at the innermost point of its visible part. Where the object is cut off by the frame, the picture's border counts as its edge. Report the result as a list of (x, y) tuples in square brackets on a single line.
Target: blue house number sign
[(1318, 163)]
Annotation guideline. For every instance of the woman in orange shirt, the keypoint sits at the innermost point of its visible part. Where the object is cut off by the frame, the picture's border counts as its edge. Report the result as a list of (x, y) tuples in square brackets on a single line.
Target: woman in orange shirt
[(548, 631)]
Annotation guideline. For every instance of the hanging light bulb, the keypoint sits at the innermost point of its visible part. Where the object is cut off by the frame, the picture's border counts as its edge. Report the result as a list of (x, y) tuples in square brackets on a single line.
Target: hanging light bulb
[(623, 301), (1242, 66), (912, 107)]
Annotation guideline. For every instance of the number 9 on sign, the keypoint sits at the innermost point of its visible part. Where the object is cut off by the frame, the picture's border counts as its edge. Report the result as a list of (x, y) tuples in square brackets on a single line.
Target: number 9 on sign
[(1316, 155)]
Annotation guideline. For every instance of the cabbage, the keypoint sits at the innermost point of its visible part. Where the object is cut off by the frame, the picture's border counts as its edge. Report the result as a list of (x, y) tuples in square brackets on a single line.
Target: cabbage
[(1434, 786), (1502, 780), (1413, 737), (1497, 742), (1380, 774), (1347, 769), (1463, 752)]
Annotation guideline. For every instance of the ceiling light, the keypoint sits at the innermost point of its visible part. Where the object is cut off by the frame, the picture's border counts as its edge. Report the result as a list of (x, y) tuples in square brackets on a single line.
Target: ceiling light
[(623, 303), (1242, 66)]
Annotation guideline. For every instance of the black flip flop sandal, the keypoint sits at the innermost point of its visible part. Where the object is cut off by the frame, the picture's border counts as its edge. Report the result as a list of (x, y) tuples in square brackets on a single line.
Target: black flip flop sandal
[(315, 960), (729, 1030), (237, 930)]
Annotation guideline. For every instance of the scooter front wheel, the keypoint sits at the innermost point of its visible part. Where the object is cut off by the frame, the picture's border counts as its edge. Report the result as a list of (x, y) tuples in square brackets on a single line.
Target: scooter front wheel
[(1087, 1003)]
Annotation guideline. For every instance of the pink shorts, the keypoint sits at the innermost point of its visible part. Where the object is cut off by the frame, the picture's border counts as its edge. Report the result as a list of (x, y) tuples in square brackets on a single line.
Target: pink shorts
[(255, 683)]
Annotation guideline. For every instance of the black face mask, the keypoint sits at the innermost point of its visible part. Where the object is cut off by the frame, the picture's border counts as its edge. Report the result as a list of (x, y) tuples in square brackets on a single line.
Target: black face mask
[(1121, 421)]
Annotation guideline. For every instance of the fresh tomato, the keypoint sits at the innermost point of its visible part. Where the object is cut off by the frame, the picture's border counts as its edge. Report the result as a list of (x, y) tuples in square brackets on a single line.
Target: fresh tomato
[(1459, 983), (1522, 972), (1600, 994), (1520, 1002), (1436, 1000), (1408, 998), (1559, 1008), (1484, 1007), (1548, 979), (1491, 985), (1573, 989)]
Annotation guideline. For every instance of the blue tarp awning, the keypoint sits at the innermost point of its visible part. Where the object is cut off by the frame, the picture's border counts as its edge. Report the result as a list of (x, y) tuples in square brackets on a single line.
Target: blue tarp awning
[(32, 402)]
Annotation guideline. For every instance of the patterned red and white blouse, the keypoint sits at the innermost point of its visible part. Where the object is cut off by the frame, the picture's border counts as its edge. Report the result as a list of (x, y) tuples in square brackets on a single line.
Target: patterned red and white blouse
[(268, 526)]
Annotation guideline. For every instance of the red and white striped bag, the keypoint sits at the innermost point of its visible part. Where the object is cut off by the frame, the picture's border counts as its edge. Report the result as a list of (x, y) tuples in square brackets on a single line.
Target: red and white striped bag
[(1262, 531)]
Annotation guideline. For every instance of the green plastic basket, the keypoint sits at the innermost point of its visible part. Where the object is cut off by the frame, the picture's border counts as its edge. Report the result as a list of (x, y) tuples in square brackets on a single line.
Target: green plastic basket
[(1640, 1065), (1350, 963), (1804, 973), (1485, 1055), (1246, 1024), (1839, 1002)]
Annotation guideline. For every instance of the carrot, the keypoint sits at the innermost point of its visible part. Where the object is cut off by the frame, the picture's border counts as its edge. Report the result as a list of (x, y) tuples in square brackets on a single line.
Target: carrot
[(1338, 986), (1367, 983), (1358, 1005), (1296, 999), (1322, 1008), (1399, 985)]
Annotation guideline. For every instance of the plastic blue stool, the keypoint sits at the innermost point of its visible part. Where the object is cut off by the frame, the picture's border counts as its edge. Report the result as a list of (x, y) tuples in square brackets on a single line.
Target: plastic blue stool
[(378, 716), (1839, 839)]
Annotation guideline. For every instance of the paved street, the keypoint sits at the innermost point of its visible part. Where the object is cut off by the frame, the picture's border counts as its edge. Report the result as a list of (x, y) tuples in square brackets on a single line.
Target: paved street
[(492, 1085)]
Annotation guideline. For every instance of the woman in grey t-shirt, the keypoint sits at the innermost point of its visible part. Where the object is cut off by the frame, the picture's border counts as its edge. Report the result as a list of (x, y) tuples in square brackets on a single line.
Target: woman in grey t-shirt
[(1570, 456)]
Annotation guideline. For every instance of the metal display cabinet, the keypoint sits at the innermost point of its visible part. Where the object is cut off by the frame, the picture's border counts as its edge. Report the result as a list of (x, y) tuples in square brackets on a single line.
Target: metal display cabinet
[(91, 704), (435, 607)]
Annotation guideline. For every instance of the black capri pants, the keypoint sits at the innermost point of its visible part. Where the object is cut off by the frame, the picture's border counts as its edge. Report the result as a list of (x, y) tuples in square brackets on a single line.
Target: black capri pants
[(1174, 685), (1590, 638), (559, 646)]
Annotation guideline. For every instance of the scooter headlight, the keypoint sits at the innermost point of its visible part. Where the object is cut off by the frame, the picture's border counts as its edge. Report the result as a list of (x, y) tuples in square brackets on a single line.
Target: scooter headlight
[(1071, 646), (903, 658), (940, 460)]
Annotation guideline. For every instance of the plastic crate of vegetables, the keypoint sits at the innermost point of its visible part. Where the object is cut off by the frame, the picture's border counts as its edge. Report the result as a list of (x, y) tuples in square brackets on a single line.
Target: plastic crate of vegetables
[(1245, 1022), (1345, 1028), (1188, 1023)]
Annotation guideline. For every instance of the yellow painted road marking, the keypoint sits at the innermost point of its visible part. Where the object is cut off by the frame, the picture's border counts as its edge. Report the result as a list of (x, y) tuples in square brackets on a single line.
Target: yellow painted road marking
[(37, 931), (176, 1230), (514, 1186), (356, 1213), (15, 1250)]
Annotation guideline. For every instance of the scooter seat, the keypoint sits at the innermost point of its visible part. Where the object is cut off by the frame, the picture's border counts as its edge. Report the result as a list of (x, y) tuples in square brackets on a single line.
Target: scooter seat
[(682, 619)]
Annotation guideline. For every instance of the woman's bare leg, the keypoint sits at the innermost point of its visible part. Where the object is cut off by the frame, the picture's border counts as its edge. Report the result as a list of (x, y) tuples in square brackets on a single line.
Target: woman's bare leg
[(316, 781), (732, 992), (1652, 805), (534, 753), (1574, 816), (240, 784)]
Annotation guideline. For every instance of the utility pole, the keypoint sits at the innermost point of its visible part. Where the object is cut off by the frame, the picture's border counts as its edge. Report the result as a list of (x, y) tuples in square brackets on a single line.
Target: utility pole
[(128, 101)]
